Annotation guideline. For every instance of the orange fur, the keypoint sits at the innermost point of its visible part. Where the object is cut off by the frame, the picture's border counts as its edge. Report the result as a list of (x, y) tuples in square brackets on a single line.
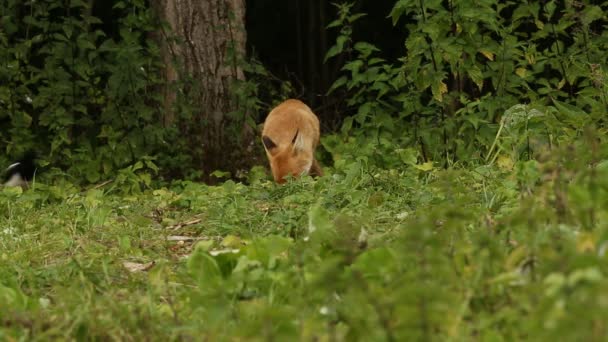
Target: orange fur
[(290, 137)]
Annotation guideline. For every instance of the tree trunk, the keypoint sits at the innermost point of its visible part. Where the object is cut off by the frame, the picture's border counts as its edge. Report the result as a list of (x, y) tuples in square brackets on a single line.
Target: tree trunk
[(210, 39)]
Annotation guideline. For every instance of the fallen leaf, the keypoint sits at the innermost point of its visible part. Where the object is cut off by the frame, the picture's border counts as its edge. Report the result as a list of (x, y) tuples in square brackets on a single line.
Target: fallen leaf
[(137, 267), (402, 215), (263, 206), (362, 239), (180, 238), (183, 224)]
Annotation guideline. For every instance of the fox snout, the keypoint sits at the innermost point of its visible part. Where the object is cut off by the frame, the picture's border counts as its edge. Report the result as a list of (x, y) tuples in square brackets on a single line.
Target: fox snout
[(292, 161)]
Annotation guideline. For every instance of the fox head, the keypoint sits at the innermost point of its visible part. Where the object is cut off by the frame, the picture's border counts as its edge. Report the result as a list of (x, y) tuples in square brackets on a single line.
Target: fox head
[(293, 159)]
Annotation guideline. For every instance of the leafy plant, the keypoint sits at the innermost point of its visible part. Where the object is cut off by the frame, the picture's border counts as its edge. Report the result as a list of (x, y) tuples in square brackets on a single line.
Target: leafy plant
[(86, 99), (464, 65), (363, 254)]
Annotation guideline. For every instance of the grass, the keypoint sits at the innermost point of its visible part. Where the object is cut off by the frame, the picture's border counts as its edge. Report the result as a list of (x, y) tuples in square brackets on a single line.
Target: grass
[(476, 253)]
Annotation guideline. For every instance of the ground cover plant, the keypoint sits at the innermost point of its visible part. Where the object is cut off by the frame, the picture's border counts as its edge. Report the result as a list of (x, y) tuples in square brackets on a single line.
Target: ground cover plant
[(492, 252)]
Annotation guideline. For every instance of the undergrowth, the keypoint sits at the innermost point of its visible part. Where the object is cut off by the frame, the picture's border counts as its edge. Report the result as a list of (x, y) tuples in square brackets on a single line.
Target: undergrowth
[(492, 252)]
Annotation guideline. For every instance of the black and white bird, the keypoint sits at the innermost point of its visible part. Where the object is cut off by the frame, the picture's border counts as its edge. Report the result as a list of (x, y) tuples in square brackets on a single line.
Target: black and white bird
[(22, 172)]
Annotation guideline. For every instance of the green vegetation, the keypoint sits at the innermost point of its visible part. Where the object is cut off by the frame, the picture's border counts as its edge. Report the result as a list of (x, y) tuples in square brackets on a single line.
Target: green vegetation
[(466, 198), (88, 95), (501, 252), (465, 64)]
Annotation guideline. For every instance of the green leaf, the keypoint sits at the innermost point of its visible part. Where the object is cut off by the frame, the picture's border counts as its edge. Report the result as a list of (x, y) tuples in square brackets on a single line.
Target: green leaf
[(334, 23), (318, 219), (351, 19), (476, 75), (203, 266), (591, 14), (340, 82), (400, 8), (428, 166), (439, 88), (570, 114), (365, 49), (336, 49)]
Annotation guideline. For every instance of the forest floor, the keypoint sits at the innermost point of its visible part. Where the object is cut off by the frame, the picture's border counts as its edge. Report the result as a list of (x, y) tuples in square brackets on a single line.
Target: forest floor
[(504, 252)]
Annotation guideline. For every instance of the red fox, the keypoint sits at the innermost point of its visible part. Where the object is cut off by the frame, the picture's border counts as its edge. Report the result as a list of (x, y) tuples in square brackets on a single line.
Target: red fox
[(290, 136)]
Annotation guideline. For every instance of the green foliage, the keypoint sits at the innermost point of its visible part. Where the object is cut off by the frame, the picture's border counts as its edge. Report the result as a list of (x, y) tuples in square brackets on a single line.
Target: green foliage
[(90, 98), (87, 101), (465, 63), (364, 254)]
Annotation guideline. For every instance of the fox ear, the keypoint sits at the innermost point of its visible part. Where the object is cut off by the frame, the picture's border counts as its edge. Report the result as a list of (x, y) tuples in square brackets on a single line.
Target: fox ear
[(268, 143), (293, 141), (298, 141)]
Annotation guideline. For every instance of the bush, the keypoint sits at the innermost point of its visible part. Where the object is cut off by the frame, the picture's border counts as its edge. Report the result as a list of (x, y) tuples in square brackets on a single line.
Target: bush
[(464, 65)]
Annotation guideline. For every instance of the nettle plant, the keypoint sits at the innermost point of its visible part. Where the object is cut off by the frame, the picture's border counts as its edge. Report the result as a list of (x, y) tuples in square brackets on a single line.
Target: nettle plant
[(465, 64), (82, 96)]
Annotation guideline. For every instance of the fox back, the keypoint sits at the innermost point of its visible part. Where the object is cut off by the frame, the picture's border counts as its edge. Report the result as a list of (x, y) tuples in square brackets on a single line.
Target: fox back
[(290, 137)]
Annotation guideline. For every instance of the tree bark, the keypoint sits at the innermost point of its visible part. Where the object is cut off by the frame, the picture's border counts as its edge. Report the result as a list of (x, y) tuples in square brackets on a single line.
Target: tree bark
[(210, 40)]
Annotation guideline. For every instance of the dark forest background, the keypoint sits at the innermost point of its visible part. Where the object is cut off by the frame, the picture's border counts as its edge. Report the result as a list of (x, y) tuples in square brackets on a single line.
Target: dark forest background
[(293, 47)]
